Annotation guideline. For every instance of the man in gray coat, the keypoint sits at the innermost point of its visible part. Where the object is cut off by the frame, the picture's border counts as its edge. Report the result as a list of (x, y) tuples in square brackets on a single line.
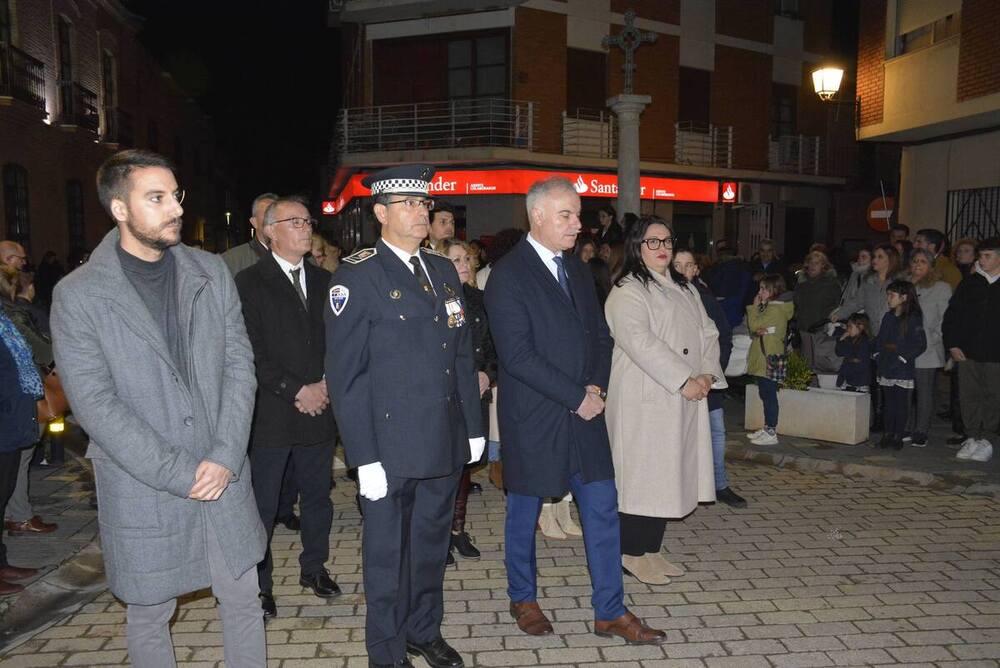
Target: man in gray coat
[(246, 255), (153, 354)]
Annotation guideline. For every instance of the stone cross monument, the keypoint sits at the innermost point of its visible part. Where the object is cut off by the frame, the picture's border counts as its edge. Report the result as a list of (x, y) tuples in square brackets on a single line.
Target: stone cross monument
[(628, 107)]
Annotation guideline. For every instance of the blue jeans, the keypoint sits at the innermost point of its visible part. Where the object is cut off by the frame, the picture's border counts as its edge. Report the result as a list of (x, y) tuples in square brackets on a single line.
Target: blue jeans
[(768, 390), (718, 423), (493, 452), (598, 503)]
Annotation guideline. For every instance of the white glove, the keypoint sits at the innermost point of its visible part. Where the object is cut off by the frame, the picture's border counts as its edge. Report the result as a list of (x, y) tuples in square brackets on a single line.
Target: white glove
[(371, 481), (476, 447)]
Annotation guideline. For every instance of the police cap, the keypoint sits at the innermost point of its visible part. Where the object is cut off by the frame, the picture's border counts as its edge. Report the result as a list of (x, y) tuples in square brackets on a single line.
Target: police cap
[(401, 180)]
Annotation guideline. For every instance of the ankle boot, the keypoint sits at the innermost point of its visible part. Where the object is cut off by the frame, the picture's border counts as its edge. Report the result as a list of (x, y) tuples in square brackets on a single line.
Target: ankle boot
[(643, 570), (548, 525), (565, 519)]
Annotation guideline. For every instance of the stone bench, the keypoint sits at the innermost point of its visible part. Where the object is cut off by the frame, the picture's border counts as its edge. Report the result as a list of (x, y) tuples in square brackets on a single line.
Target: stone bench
[(826, 415)]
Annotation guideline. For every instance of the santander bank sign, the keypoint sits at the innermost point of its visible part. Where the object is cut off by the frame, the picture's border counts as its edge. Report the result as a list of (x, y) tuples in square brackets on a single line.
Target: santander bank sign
[(517, 182)]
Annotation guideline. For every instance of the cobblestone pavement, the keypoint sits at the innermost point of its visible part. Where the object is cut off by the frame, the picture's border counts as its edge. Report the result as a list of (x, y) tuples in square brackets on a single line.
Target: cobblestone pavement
[(820, 570)]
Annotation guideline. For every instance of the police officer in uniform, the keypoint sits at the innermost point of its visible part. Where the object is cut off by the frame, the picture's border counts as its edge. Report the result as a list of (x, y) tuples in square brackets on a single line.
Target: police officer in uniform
[(401, 374)]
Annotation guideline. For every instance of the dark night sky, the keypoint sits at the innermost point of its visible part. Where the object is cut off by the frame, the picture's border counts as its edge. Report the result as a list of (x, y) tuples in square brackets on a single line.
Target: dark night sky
[(267, 72)]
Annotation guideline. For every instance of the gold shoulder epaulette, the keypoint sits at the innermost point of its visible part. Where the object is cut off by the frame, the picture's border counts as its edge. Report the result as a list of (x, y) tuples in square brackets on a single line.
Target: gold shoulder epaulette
[(428, 249), (361, 255)]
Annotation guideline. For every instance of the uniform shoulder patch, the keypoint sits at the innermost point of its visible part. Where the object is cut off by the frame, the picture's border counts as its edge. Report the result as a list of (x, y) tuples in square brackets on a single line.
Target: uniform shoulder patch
[(434, 252), (361, 255)]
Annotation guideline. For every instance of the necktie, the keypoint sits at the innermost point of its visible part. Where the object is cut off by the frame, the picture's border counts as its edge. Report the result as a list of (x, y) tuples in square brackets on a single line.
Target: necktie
[(563, 279), (298, 286), (418, 271)]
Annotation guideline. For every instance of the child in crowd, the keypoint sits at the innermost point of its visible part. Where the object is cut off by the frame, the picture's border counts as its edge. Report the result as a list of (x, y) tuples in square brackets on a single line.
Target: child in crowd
[(855, 346), (901, 340), (768, 319)]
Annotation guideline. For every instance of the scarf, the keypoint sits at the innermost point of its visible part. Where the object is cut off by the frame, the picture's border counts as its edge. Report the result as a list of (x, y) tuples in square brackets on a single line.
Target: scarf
[(991, 279), (27, 373)]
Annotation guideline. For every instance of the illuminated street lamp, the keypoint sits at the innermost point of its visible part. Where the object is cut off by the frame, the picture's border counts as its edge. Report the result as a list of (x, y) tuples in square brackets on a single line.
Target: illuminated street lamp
[(826, 81)]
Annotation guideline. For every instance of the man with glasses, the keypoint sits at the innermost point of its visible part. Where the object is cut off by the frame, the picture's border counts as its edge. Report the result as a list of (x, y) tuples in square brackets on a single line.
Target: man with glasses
[(293, 426), (153, 354), (401, 371)]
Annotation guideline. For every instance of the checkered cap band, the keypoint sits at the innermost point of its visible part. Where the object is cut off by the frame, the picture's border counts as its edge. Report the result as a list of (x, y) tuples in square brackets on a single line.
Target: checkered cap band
[(407, 186)]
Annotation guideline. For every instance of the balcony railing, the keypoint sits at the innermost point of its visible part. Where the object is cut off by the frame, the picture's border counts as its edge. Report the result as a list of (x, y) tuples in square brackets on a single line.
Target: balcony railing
[(21, 76), (795, 154), (590, 133), (703, 144), (117, 127), (79, 106), (429, 125)]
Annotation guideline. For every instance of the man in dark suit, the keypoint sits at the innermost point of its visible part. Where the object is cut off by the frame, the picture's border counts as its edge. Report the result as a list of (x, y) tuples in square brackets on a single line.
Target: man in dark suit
[(283, 299), (555, 359), (401, 370)]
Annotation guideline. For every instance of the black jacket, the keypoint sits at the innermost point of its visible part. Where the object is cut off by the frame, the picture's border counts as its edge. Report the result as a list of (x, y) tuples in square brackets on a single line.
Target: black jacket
[(972, 321), (289, 346), (718, 316), (898, 346), (485, 352), (856, 369)]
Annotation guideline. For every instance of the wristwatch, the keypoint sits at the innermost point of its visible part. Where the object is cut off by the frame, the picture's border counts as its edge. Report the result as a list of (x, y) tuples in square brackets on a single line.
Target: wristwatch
[(601, 392)]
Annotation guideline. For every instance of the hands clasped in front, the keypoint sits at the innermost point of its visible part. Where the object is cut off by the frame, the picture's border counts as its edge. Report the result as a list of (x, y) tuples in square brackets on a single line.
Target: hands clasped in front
[(210, 481), (697, 387), (312, 399), (592, 404)]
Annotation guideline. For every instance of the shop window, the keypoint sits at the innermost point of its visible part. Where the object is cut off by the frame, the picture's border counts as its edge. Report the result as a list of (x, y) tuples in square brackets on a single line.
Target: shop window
[(15, 196)]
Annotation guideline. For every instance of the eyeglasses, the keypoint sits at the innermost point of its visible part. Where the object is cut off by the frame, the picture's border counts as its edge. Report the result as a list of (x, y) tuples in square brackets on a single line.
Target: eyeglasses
[(297, 223), (653, 243), (412, 203)]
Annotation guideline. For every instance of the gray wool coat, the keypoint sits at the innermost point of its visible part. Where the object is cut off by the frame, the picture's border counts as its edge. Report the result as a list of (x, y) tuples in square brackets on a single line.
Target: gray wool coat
[(145, 423)]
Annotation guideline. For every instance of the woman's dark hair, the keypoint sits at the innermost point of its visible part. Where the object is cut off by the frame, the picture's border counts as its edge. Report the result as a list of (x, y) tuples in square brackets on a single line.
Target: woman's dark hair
[(910, 306), (894, 261), (503, 242), (862, 322), (581, 242), (629, 221), (633, 265), (610, 210)]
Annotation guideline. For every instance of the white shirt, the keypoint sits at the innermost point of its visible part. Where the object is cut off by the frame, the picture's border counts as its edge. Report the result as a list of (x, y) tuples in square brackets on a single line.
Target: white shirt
[(405, 257), (286, 268), (546, 256)]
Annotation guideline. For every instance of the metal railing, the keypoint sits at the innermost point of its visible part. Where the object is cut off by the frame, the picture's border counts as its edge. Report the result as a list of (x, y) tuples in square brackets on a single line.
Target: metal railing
[(590, 133), (703, 144), (21, 76), (117, 127), (428, 125), (79, 106), (795, 154)]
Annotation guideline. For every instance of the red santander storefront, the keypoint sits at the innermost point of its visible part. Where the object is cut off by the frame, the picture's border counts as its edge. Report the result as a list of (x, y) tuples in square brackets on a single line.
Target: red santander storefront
[(489, 200)]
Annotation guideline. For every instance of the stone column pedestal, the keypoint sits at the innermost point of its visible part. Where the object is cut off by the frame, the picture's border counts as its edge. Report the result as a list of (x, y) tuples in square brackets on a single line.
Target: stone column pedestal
[(628, 108)]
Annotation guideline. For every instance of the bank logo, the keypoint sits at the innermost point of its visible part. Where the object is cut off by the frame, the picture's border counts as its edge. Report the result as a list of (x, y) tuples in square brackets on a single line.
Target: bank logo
[(580, 186)]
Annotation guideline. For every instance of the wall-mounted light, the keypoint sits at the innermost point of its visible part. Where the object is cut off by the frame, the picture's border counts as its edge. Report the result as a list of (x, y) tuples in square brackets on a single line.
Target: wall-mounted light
[(826, 81)]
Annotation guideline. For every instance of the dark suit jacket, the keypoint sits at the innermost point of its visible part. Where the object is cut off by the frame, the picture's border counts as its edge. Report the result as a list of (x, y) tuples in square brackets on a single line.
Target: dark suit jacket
[(289, 346), (613, 233), (550, 349), (402, 378)]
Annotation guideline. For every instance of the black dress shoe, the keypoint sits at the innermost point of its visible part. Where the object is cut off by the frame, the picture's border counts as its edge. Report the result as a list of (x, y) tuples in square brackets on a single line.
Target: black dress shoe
[(463, 544), (402, 662), (321, 583), (475, 488), (730, 498), (292, 522), (437, 653), (267, 605), (450, 559)]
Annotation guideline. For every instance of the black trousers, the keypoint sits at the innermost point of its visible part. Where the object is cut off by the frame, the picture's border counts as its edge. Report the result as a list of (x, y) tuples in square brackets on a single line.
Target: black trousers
[(314, 478), (897, 409), (289, 492), (640, 534), (9, 463), (404, 544)]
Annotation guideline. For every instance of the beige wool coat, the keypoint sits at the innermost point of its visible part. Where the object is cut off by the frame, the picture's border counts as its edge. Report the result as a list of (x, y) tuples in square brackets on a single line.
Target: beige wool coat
[(661, 443)]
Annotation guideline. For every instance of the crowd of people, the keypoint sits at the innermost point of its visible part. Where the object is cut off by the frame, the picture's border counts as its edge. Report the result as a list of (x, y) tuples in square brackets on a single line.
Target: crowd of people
[(583, 367)]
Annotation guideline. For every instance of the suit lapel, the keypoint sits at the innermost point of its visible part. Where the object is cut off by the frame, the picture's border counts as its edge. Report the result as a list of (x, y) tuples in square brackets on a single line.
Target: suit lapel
[(399, 274), (275, 276), (549, 282)]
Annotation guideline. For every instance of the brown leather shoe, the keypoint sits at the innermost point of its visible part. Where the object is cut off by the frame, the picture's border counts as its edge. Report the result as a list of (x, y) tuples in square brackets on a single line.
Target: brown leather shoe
[(34, 525), (631, 628), (9, 589), (531, 619), (9, 572)]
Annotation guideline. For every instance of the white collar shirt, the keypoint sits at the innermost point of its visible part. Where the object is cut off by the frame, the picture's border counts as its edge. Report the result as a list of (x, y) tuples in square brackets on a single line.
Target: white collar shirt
[(286, 269), (547, 257), (404, 257)]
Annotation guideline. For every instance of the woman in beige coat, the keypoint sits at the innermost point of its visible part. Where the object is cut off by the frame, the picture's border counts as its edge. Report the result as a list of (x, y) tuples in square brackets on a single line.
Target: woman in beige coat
[(665, 360)]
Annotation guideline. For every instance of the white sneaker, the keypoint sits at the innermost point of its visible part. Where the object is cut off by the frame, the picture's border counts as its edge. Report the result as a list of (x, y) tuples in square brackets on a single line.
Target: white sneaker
[(756, 434), (765, 439), (983, 451), (969, 446)]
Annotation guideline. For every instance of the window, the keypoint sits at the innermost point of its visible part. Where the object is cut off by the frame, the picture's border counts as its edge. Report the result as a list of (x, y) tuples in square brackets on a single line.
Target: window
[(783, 110), (74, 215), (5, 23), (109, 82), (586, 81), (477, 67), (65, 66), (929, 34), (693, 102), (15, 196)]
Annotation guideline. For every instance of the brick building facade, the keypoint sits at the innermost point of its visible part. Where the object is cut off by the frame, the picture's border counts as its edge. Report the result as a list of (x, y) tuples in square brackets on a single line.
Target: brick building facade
[(75, 86), (730, 84)]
